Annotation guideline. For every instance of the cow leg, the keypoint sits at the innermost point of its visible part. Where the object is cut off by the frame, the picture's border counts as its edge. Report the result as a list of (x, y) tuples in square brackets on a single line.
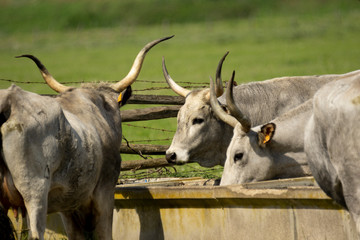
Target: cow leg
[(36, 203), (103, 219), (35, 194), (37, 211), (103, 207), (30, 175), (93, 220), (356, 218), (81, 225), (352, 195), (74, 224)]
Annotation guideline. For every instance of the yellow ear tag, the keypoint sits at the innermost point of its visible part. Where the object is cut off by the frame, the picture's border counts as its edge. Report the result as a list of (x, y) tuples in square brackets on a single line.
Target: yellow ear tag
[(120, 97), (267, 138)]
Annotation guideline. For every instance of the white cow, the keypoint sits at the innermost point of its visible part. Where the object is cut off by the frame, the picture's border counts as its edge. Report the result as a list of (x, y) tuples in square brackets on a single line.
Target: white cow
[(201, 137), (332, 142), (266, 151), (321, 135)]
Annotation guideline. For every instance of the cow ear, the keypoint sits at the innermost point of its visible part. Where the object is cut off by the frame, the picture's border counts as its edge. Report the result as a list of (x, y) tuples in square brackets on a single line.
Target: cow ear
[(124, 96), (266, 133)]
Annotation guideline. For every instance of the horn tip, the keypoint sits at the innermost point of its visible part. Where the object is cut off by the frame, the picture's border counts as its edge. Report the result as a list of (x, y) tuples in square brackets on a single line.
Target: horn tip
[(24, 55), (166, 38)]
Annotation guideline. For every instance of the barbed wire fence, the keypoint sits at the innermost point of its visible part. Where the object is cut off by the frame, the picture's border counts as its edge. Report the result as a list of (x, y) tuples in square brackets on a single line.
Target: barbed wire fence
[(189, 84), (191, 170)]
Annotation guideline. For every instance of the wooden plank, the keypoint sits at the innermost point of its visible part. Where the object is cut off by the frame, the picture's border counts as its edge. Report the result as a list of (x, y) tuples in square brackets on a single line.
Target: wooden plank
[(144, 164), (149, 149), (156, 99), (148, 99), (149, 113)]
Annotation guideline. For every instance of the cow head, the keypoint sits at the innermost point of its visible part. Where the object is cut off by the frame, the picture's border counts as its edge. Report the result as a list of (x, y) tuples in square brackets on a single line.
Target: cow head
[(247, 156), (198, 129)]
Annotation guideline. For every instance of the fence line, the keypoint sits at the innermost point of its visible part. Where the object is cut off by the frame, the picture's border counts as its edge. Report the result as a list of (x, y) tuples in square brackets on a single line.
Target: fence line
[(150, 140), (149, 149), (151, 128), (111, 81), (149, 113), (157, 165), (196, 85), (156, 99), (162, 88)]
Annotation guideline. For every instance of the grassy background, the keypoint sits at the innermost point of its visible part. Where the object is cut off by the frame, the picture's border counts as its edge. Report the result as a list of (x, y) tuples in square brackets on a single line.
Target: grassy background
[(98, 40)]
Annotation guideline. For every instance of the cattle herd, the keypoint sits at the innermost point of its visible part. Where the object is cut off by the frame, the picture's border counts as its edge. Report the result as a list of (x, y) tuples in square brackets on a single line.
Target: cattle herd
[(61, 154)]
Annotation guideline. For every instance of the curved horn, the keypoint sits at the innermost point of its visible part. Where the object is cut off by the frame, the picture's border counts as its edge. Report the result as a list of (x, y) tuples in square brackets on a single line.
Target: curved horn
[(228, 119), (219, 89), (172, 84), (234, 110), (136, 67), (55, 85)]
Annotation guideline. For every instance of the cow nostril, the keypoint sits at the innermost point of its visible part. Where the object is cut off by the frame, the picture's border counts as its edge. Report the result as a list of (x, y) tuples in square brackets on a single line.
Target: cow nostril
[(171, 157)]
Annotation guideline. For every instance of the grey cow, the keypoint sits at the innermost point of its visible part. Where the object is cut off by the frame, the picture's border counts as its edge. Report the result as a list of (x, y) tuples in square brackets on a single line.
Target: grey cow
[(270, 151), (319, 137), (332, 142), (201, 137), (62, 154)]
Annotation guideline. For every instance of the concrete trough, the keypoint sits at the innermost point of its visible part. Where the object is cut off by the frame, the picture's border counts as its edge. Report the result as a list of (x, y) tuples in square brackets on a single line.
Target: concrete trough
[(180, 209)]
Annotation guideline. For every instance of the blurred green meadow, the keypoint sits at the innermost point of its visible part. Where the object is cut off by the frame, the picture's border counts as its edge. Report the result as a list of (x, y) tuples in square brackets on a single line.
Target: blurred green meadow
[(98, 40)]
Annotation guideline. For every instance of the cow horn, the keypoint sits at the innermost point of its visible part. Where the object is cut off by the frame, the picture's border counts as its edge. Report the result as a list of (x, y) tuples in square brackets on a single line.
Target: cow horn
[(234, 110), (228, 119), (55, 85), (219, 86), (219, 89), (136, 67), (172, 84)]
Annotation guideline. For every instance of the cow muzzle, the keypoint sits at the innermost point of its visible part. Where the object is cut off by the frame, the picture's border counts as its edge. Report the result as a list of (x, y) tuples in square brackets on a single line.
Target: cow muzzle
[(177, 156), (171, 157)]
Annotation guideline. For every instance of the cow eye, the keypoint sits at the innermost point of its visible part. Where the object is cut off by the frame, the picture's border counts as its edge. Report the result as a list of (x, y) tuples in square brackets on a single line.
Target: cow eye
[(198, 121), (238, 157)]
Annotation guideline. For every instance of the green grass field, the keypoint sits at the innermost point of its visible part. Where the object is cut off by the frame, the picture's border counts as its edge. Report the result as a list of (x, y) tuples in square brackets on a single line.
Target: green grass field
[(98, 40)]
